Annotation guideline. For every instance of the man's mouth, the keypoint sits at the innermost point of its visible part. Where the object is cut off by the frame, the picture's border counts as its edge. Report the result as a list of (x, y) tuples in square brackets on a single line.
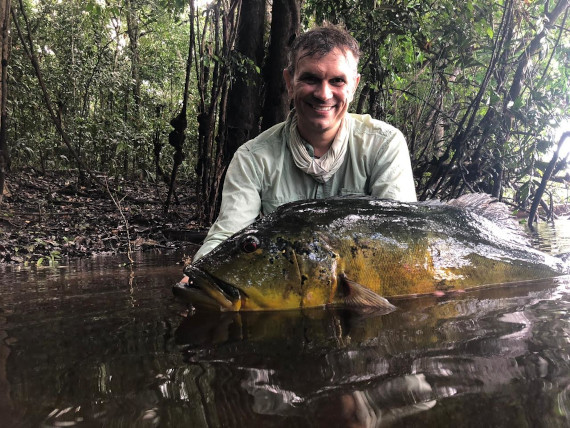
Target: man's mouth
[(321, 107)]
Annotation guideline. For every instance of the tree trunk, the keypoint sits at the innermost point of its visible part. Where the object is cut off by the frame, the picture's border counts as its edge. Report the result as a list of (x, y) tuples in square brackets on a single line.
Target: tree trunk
[(243, 111), (285, 23), (545, 179), (5, 43), (222, 18), (179, 123), (134, 33)]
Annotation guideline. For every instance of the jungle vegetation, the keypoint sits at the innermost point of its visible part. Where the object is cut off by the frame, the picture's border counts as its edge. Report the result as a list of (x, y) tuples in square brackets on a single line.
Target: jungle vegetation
[(168, 89)]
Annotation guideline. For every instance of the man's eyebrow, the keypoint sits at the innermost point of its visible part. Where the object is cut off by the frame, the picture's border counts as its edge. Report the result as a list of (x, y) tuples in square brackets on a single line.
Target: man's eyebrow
[(308, 74)]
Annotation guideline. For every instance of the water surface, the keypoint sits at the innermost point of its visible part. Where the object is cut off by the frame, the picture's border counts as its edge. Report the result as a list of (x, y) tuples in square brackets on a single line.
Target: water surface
[(97, 344)]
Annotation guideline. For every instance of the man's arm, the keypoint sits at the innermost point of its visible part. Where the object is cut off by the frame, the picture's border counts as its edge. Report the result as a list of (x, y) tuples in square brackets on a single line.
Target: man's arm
[(241, 201), (391, 176)]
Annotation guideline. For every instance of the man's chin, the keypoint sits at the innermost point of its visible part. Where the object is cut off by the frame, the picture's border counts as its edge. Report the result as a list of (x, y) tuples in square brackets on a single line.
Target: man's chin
[(320, 123)]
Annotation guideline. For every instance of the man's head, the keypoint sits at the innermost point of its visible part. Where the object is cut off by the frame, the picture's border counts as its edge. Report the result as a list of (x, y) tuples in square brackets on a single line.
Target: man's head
[(319, 41), (321, 80)]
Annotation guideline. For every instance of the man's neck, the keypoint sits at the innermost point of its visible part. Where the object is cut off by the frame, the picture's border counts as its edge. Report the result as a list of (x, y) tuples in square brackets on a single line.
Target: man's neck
[(321, 142), (321, 148)]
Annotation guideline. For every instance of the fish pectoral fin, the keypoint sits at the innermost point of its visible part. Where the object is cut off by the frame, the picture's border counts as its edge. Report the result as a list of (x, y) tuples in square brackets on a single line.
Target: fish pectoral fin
[(357, 295)]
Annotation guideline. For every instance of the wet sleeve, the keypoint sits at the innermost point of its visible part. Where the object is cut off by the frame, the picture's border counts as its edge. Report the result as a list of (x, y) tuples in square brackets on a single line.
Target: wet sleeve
[(391, 173), (241, 201)]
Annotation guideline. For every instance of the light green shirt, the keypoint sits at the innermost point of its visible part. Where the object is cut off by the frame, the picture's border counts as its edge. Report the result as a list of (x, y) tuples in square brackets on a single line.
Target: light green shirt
[(262, 175)]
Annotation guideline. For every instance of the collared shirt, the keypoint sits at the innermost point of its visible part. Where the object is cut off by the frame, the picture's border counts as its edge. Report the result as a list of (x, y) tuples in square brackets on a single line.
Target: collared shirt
[(262, 175)]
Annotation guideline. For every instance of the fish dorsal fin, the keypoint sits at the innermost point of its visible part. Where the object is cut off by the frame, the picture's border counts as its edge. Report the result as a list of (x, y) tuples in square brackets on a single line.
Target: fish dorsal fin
[(357, 295), (484, 205), (492, 209)]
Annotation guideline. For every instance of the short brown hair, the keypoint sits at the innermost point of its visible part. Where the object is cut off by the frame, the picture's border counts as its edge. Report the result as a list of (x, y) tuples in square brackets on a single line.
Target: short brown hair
[(319, 41)]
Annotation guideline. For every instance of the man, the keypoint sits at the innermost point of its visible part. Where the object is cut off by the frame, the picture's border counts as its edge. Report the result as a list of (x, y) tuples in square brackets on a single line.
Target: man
[(320, 150)]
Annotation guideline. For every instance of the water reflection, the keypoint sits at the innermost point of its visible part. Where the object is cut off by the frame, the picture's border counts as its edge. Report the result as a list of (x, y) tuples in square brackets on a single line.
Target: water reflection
[(348, 369), (95, 344), (80, 339), (551, 237)]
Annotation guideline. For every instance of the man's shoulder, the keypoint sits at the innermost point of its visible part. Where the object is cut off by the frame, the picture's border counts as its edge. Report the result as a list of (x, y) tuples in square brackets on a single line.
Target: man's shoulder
[(364, 123), (266, 142)]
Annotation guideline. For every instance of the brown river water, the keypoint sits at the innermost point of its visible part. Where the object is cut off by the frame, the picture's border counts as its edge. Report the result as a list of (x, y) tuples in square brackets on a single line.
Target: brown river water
[(93, 343)]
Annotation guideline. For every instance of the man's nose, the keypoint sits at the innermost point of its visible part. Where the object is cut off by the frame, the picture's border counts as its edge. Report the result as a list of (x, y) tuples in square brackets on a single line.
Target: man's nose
[(323, 91)]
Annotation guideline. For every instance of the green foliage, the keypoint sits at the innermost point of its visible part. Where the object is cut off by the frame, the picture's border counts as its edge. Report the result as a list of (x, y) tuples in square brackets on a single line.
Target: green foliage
[(442, 71), (83, 50)]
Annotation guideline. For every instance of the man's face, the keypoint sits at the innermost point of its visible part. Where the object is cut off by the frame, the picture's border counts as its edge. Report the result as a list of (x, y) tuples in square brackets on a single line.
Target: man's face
[(321, 89)]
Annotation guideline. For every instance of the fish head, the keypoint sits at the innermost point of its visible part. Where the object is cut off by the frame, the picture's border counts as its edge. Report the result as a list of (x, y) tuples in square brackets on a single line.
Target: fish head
[(262, 269)]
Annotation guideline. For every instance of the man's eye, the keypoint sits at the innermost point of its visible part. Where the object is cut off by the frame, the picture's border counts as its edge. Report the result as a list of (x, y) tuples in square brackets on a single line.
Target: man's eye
[(338, 82), (310, 80)]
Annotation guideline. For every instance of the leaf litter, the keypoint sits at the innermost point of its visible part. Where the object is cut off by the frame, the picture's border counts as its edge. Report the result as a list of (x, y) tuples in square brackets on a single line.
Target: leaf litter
[(45, 218)]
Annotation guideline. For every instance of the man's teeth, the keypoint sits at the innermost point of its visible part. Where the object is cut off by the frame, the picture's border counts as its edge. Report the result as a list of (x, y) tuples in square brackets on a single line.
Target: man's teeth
[(326, 108)]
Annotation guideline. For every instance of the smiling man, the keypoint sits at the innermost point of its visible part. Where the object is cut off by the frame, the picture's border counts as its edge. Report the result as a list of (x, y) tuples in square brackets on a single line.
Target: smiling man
[(321, 86), (320, 150)]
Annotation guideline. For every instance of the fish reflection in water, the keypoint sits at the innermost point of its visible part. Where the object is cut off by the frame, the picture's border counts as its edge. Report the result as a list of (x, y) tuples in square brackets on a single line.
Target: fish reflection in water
[(320, 361), (345, 368)]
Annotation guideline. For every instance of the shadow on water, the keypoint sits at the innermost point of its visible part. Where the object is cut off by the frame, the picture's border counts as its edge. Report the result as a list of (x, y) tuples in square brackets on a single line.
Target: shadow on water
[(96, 344)]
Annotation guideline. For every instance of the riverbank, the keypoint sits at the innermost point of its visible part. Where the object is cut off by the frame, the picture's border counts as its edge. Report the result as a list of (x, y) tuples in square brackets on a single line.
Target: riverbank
[(47, 218)]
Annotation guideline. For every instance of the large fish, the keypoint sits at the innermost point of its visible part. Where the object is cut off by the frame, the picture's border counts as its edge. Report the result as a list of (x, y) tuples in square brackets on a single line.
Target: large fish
[(351, 251)]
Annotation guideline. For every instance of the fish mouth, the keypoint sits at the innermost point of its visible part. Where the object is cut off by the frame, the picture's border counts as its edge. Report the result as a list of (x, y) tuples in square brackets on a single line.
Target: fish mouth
[(206, 291)]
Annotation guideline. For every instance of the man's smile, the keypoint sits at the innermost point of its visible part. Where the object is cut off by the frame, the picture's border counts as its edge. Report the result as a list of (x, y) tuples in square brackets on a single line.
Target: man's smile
[(321, 108)]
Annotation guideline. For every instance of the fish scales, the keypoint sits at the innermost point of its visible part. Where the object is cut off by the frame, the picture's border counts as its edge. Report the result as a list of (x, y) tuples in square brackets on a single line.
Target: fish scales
[(353, 251)]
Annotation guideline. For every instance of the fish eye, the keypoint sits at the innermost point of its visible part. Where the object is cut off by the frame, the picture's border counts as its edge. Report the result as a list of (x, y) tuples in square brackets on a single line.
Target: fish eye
[(249, 244)]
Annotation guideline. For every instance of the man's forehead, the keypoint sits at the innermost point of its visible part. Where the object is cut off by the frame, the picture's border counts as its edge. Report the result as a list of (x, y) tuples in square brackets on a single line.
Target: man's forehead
[(339, 52)]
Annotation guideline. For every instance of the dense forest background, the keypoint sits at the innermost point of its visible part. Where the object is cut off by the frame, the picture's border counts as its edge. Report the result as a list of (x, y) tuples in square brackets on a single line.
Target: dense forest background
[(166, 90)]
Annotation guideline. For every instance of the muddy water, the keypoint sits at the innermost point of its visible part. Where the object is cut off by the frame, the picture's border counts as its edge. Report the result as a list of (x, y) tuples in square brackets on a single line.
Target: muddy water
[(93, 343)]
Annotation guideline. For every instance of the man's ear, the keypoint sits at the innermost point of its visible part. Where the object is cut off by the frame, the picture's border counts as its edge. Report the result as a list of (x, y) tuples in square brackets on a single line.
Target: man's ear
[(288, 81), (356, 82)]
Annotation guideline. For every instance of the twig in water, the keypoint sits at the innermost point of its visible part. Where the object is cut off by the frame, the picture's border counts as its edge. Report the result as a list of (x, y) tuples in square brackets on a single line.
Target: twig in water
[(117, 203)]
